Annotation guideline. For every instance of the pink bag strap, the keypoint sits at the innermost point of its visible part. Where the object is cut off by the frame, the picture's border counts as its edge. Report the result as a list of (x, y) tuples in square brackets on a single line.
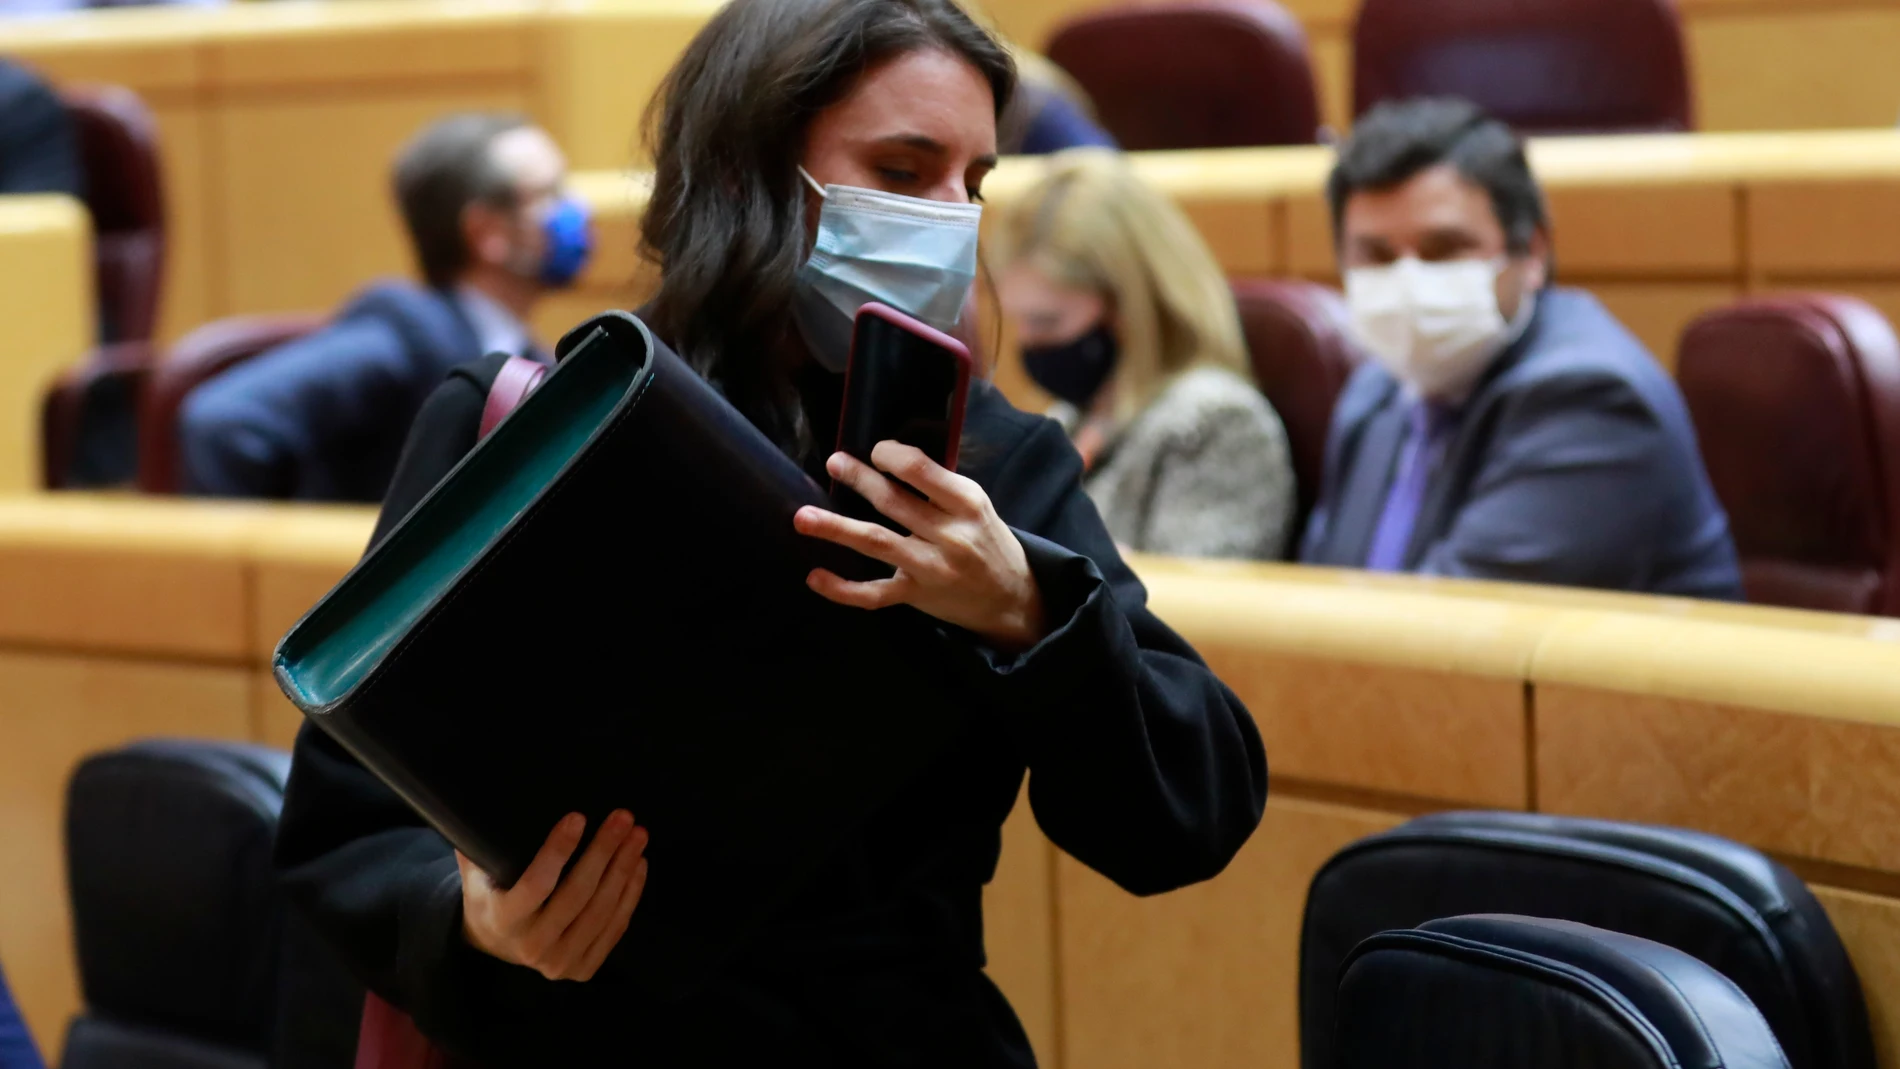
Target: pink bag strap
[(517, 379)]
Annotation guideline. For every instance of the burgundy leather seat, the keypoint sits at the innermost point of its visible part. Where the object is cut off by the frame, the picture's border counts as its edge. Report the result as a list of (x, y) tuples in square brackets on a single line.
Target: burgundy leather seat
[(1298, 341), (1552, 66), (198, 357), (125, 192), (1194, 73), (1796, 401), (86, 416)]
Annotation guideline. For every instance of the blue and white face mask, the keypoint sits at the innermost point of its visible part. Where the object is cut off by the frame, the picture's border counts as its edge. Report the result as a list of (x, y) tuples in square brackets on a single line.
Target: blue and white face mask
[(917, 256)]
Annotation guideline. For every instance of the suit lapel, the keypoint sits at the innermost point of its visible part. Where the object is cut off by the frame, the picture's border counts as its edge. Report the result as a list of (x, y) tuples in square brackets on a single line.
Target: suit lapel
[(1362, 496)]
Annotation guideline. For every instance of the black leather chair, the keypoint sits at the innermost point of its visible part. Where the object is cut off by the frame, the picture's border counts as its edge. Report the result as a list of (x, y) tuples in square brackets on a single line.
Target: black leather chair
[(1503, 992), (1719, 901), (176, 914)]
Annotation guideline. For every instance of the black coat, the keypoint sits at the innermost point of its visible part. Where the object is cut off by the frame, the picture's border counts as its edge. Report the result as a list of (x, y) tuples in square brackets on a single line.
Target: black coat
[(1141, 764)]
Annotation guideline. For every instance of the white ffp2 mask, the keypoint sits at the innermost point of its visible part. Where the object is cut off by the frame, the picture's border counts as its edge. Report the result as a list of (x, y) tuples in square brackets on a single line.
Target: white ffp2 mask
[(1434, 326), (917, 256)]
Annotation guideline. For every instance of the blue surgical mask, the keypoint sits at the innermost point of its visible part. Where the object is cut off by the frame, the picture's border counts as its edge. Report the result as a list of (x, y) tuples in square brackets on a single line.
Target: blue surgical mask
[(569, 241), (917, 256)]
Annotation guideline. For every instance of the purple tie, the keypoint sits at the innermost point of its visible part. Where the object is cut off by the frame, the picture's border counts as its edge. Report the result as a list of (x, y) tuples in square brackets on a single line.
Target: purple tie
[(1431, 425)]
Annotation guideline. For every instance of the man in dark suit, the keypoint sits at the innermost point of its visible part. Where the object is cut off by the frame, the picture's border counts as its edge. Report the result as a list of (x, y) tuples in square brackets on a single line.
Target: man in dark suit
[(1506, 428), (324, 418), (39, 147)]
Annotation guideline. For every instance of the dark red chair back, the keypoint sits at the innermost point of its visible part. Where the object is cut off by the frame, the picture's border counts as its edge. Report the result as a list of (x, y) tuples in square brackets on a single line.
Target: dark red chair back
[(125, 192), (1544, 66), (1796, 401), (1194, 73), (1302, 354), (197, 358)]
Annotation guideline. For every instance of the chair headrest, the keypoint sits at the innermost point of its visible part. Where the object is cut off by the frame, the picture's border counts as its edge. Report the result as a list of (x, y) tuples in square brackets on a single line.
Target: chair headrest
[(1194, 73), (175, 907), (1581, 66), (1796, 401), (1518, 992), (1717, 900)]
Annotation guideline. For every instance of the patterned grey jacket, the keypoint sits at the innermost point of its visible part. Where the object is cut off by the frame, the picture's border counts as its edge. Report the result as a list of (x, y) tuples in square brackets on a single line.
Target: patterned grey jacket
[(1203, 471)]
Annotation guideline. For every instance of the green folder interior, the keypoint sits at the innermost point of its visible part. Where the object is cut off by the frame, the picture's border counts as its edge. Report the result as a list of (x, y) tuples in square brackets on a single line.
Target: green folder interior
[(349, 633)]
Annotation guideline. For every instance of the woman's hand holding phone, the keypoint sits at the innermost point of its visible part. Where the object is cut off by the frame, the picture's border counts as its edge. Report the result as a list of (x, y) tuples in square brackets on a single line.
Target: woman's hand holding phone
[(562, 928), (961, 563)]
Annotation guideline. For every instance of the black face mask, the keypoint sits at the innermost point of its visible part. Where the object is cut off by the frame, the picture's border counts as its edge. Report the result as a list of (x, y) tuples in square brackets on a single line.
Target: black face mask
[(1075, 370)]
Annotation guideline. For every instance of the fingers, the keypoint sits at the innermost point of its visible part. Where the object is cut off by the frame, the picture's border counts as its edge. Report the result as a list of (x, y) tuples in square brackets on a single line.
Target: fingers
[(579, 883), (875, 542), (617, 920), (566, 959), (884, 495), (946, 489), (876, 594), (543, 874)]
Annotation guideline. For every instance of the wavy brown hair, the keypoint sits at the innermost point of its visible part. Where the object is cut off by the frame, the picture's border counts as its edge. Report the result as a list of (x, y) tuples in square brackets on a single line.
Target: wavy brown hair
[(726, 221)]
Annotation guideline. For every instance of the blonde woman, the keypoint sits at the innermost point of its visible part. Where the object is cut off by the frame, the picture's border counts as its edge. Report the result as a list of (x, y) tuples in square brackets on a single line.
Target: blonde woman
[(1124, 317)]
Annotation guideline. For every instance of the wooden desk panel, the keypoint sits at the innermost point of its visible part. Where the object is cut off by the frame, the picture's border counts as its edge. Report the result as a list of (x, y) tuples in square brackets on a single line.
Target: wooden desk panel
[(1206, 976), (1869, 926), (296, 172), (47, 319), (1788, 740), (58, 710), (280, 122), (1820, 229), (1372, 690), (1019, 929)]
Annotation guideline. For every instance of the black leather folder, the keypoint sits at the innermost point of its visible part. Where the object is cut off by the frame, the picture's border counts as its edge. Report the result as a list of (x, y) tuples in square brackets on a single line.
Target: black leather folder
[(604, 606)]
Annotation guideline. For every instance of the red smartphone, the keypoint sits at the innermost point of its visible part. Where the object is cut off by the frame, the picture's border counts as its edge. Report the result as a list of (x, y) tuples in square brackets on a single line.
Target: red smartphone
[(907, 381)]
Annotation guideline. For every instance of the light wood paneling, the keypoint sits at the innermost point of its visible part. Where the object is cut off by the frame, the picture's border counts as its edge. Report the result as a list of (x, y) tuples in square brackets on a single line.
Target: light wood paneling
[(295, 558), (1670, 230), (1794, 784), (1794, 65), (601, 63), (1242, 234), (124, 576), (345, 47), (185, 154), (1657, 312), (1332, 75), (1819, 229), (1019, 929), (309, 166), (1869, 926), (1366, 689), (1206, 976), (59, 709), (47, 319), (1309, 238)]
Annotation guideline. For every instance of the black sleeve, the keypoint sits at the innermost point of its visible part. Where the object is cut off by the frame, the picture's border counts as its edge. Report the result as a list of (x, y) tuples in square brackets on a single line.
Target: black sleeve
[(377, 883), (1142, 764), (444, 431)]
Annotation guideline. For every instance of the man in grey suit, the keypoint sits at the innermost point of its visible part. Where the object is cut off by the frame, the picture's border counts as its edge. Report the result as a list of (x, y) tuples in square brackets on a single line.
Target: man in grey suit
[(1505, 428)]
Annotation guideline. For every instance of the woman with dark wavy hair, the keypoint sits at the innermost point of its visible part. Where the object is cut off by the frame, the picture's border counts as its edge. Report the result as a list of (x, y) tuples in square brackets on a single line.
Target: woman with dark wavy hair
[(812, 155)]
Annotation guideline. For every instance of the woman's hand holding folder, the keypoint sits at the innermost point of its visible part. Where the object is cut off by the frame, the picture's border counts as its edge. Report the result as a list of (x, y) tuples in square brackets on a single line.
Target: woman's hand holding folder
[(961, 563), (560, 928)]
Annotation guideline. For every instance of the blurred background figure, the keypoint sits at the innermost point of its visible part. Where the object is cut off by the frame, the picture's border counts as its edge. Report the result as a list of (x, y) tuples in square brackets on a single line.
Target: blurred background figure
[(1506, 428), (1050, 111), (39, 149), (1125, 319), (323, 418), (16, 1044)]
